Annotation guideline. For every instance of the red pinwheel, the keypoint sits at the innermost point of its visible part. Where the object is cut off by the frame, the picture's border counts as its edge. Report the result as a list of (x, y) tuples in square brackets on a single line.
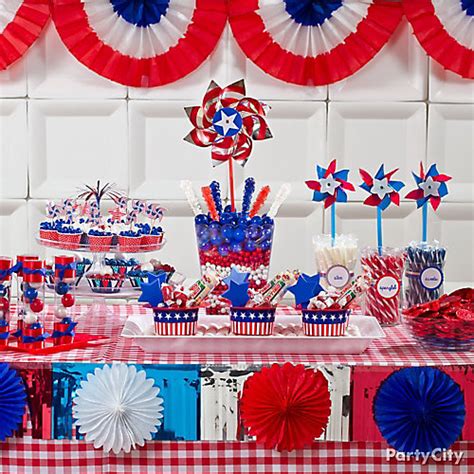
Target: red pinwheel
[(21, 23), (431, 187), (331, 185), (383, 190), (285, 407), (228, 122)]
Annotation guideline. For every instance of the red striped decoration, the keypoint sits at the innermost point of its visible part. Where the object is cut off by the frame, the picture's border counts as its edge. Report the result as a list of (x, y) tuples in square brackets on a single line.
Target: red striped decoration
[(252, 328), (176, 329), (325, 329)]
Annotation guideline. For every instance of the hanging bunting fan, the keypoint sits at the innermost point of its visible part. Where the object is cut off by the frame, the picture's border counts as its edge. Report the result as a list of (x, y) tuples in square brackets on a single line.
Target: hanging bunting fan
[(21, 23), (141, 43), (445, 29), (312, 42)]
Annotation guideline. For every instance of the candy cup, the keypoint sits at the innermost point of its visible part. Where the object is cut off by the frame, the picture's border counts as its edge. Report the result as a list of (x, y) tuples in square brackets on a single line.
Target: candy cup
[(252, 321), (325, 323), (176, 321)]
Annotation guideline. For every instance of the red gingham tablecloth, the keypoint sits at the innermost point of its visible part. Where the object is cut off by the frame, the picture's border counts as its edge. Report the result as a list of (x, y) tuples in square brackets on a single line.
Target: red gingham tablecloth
[(26, 456), (397, 349)]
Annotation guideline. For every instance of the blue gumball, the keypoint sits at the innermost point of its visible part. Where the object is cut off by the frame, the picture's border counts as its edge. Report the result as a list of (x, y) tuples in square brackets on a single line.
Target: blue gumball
[(226, 217), (255, 232), (31, 294), (228, 208), (236, 247), (266, 220), (214, 225), (239, 235), (227, 231), (216, 239), (234, 220), (243, 221), (61, 288), (203, 233), (250, 245), (201, 219), (224, 250), (256, 220), (204, 246), (3, 291), (267, 231), (266, 245)]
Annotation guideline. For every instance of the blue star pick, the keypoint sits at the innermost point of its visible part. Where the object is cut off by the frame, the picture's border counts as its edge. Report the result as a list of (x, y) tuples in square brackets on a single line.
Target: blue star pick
[(237, 294), (151, 291), (236, 277), (306, 288)]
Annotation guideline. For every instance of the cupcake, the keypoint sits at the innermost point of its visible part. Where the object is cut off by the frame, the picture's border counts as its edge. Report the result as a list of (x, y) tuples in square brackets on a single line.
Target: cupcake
[(99, 240), (122, 266), (129, 241), (141, 274), (151, 236), (104, 283), (48, 233), (82, 267), (69, 237)]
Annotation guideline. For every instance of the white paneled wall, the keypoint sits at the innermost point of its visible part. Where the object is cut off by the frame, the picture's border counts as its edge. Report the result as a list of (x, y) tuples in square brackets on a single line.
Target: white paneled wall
[(61, 126)]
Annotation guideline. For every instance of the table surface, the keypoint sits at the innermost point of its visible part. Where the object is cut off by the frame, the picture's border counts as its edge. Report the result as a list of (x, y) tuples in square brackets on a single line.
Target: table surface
[(397, 349)]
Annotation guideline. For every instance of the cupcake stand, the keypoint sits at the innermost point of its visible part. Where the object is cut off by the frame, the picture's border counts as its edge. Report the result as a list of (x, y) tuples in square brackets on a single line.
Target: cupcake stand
[(99, 296)]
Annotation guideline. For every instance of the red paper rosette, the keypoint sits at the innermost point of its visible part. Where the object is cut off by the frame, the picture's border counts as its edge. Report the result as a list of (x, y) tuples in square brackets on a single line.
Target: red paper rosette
[(285, 407), (140, 43), (21, 23), (312, 43), (445, 29)]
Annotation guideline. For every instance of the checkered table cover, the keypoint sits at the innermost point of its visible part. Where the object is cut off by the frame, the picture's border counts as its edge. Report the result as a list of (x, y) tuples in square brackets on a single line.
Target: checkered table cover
[(29, 456), (397, 349)]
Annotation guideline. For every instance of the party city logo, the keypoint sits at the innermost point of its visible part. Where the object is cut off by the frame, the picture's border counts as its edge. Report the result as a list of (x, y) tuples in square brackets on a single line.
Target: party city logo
[(437, 455)]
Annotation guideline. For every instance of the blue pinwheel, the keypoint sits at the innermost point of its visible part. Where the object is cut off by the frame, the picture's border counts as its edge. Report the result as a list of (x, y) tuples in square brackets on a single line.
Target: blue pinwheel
[(12, 401), (383, 190), (431, 187), (330, 187)]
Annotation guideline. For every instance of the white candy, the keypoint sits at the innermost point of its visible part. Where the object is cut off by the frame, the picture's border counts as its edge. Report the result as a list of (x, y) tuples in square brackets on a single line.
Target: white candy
[(147, 267), (107, 271), (60, 312), (30, 318), (36, 285)]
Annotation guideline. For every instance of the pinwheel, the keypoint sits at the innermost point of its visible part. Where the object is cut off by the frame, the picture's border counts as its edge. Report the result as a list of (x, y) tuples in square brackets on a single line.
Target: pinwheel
[(310, 42), (383, 191), (418, 409), (445, 29), (285, 407), (431, 187), (12, 401), (118, 408), (154, 211), (228, 122), (21, 23), (94, 194), (140, 43), (331, 187)]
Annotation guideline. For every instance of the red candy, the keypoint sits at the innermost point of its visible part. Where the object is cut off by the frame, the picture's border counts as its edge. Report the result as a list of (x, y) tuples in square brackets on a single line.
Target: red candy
[(37, 305), (67, 300)]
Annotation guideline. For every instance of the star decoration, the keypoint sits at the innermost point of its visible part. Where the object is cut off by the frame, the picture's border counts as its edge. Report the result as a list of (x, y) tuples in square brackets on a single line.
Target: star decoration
[(383, 190), (331, 185), (431, 187), (151, 291), (237, 294), (236, 277), (306, 288), (227, 122)]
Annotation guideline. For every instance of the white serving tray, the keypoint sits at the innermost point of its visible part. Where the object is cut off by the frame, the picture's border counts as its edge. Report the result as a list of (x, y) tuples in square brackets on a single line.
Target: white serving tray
[(214, 337)]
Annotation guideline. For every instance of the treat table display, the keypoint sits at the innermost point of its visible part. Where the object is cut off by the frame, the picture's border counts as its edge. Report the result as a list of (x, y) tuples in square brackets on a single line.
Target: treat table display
[(201, 430)]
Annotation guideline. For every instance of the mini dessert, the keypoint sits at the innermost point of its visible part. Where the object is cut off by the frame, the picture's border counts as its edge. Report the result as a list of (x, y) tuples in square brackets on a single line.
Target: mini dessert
[(100, 240), (105, 283), (151, 236), (48, 232), (129, 241), (69, 236), (122, 265)]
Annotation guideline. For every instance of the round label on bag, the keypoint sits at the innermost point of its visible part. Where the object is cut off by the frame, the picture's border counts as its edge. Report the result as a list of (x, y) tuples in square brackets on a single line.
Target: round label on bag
[(338, 276), (387, 287), (431, 278)]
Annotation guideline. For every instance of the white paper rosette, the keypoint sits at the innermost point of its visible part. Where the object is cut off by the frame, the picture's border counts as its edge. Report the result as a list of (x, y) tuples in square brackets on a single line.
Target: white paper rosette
[(117, 408)]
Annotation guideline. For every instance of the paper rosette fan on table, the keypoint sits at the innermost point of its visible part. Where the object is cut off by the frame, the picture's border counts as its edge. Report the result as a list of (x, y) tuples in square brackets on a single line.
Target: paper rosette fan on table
[(445, 29), (12, 401), (140, 43), (118, 408), (312, 42), (419, 409), (285, 407), (21, 23)]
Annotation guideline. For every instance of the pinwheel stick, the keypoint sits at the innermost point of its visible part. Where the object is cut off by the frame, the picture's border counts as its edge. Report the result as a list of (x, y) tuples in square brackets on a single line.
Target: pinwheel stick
[(424, 225), (333, 224), (231, 185), (379, 230)]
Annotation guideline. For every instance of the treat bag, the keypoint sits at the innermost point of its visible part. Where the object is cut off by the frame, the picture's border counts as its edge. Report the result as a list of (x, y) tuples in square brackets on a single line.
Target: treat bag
[(64, 299), (5, 298), (336, 261), (33, 286), (383, 298), (424, 272), (20, 304)]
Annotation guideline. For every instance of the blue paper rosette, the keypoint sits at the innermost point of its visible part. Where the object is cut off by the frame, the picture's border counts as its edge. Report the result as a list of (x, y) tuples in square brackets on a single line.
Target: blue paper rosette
[(12, 401), (419, 409)]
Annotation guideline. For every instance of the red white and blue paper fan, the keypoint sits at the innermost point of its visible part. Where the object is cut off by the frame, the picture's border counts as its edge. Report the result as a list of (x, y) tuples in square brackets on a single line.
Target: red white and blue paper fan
[(21, 23), (141, 43), (228, 121), (382, 188), (312, 42), (331, 186), (445, 29), (431, 187)]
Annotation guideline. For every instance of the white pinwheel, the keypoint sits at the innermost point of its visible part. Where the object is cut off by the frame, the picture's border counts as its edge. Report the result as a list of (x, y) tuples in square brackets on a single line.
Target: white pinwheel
[(117, 408)]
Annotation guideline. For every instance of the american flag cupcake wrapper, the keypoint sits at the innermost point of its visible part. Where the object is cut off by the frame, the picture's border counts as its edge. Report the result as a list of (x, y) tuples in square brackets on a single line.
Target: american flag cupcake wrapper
[(181, 322), (325, 323), (252, 321)]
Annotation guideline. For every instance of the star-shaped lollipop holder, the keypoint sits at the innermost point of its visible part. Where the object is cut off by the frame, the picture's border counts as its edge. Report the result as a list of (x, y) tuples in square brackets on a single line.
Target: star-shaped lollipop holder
[(307, 287)]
